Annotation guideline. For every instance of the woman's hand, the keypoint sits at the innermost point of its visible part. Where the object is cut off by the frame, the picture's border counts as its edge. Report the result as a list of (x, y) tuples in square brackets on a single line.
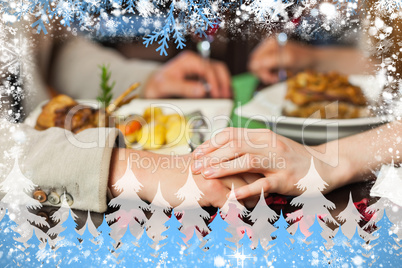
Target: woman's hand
[(173, 78), (280, 161)]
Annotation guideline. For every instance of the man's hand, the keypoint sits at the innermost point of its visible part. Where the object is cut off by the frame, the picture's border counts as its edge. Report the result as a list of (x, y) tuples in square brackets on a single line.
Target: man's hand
[(173, 78), (171, 172), (269, 57)]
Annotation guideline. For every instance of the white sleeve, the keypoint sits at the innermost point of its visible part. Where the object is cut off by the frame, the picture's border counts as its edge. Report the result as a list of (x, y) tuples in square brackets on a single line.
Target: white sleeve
[(58, 161)]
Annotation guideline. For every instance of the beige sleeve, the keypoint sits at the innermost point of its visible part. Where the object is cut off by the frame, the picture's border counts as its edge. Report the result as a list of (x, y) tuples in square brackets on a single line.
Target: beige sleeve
[(75, 71), (58, 161)]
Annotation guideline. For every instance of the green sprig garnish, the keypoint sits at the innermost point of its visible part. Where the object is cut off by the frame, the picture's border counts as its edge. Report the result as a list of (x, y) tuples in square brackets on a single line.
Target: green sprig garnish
[(105, 97)]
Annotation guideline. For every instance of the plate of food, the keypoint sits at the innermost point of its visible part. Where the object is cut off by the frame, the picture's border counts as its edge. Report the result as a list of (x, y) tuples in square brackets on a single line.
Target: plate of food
[(314, 107), (164, 126)]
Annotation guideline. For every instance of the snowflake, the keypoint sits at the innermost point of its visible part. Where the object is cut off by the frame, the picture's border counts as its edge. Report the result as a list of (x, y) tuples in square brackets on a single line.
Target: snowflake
[(164, 255), (145, 8), (388, 6), (15, 55)]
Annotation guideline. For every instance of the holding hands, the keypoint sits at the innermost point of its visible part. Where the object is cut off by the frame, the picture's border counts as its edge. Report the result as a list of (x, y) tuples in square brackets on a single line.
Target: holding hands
[(280, 162)]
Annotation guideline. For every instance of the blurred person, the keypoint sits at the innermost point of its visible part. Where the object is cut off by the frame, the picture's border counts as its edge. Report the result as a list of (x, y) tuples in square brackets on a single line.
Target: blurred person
[(78, 78), (356, 49)]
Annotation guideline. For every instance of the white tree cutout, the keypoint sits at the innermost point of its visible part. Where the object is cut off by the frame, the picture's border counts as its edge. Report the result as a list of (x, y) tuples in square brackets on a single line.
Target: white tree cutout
[(394, 214), (232, 213), (130, 206), (60, 216), (17, 199), (389, 184), (232, 200), (313, 203), (89, 224), (261, 216), (156, 223), (193, 216), (350, 218)]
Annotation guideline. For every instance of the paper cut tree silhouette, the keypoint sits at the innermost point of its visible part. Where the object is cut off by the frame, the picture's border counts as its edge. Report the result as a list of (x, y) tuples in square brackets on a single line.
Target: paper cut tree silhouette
[(145, 253), (246, 251), (340, 251), (17, 188), (125, 248), (105, 244), (233, 212), (316, 244), (86, 245), (313, 203), (350, 218), (90, 226), (37, 252), (174, 245), (281, 249), (217, 240), (8, 243), (386, 247), (394, 213), (60, 216), (194, 255), (129, 204), (46, 255), (67, 244), (156, 223), (260, 256), (389, 184), (193, 216), (359, 245), (299, 246), (299, 239), (261, 216)]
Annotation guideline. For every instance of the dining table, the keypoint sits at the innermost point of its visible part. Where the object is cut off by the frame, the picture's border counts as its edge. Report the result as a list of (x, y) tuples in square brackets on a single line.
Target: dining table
[(244, 87)]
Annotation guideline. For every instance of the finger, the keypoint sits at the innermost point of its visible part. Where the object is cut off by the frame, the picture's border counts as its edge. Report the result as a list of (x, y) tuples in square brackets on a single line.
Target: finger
[(223, 76), (253, 142), (228, 134), (232, 181), (269, 185), (245, 163), (215, 142)]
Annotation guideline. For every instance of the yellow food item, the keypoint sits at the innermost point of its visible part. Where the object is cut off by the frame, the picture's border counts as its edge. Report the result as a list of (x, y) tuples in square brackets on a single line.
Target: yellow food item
[(152, 136), (177, 133), (161, 129), (173, 119), (151, 113), (162, 118)]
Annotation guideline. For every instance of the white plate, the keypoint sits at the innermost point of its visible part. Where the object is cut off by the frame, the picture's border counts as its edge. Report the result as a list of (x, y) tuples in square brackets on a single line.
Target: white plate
[(267, 106), (216, 113)]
